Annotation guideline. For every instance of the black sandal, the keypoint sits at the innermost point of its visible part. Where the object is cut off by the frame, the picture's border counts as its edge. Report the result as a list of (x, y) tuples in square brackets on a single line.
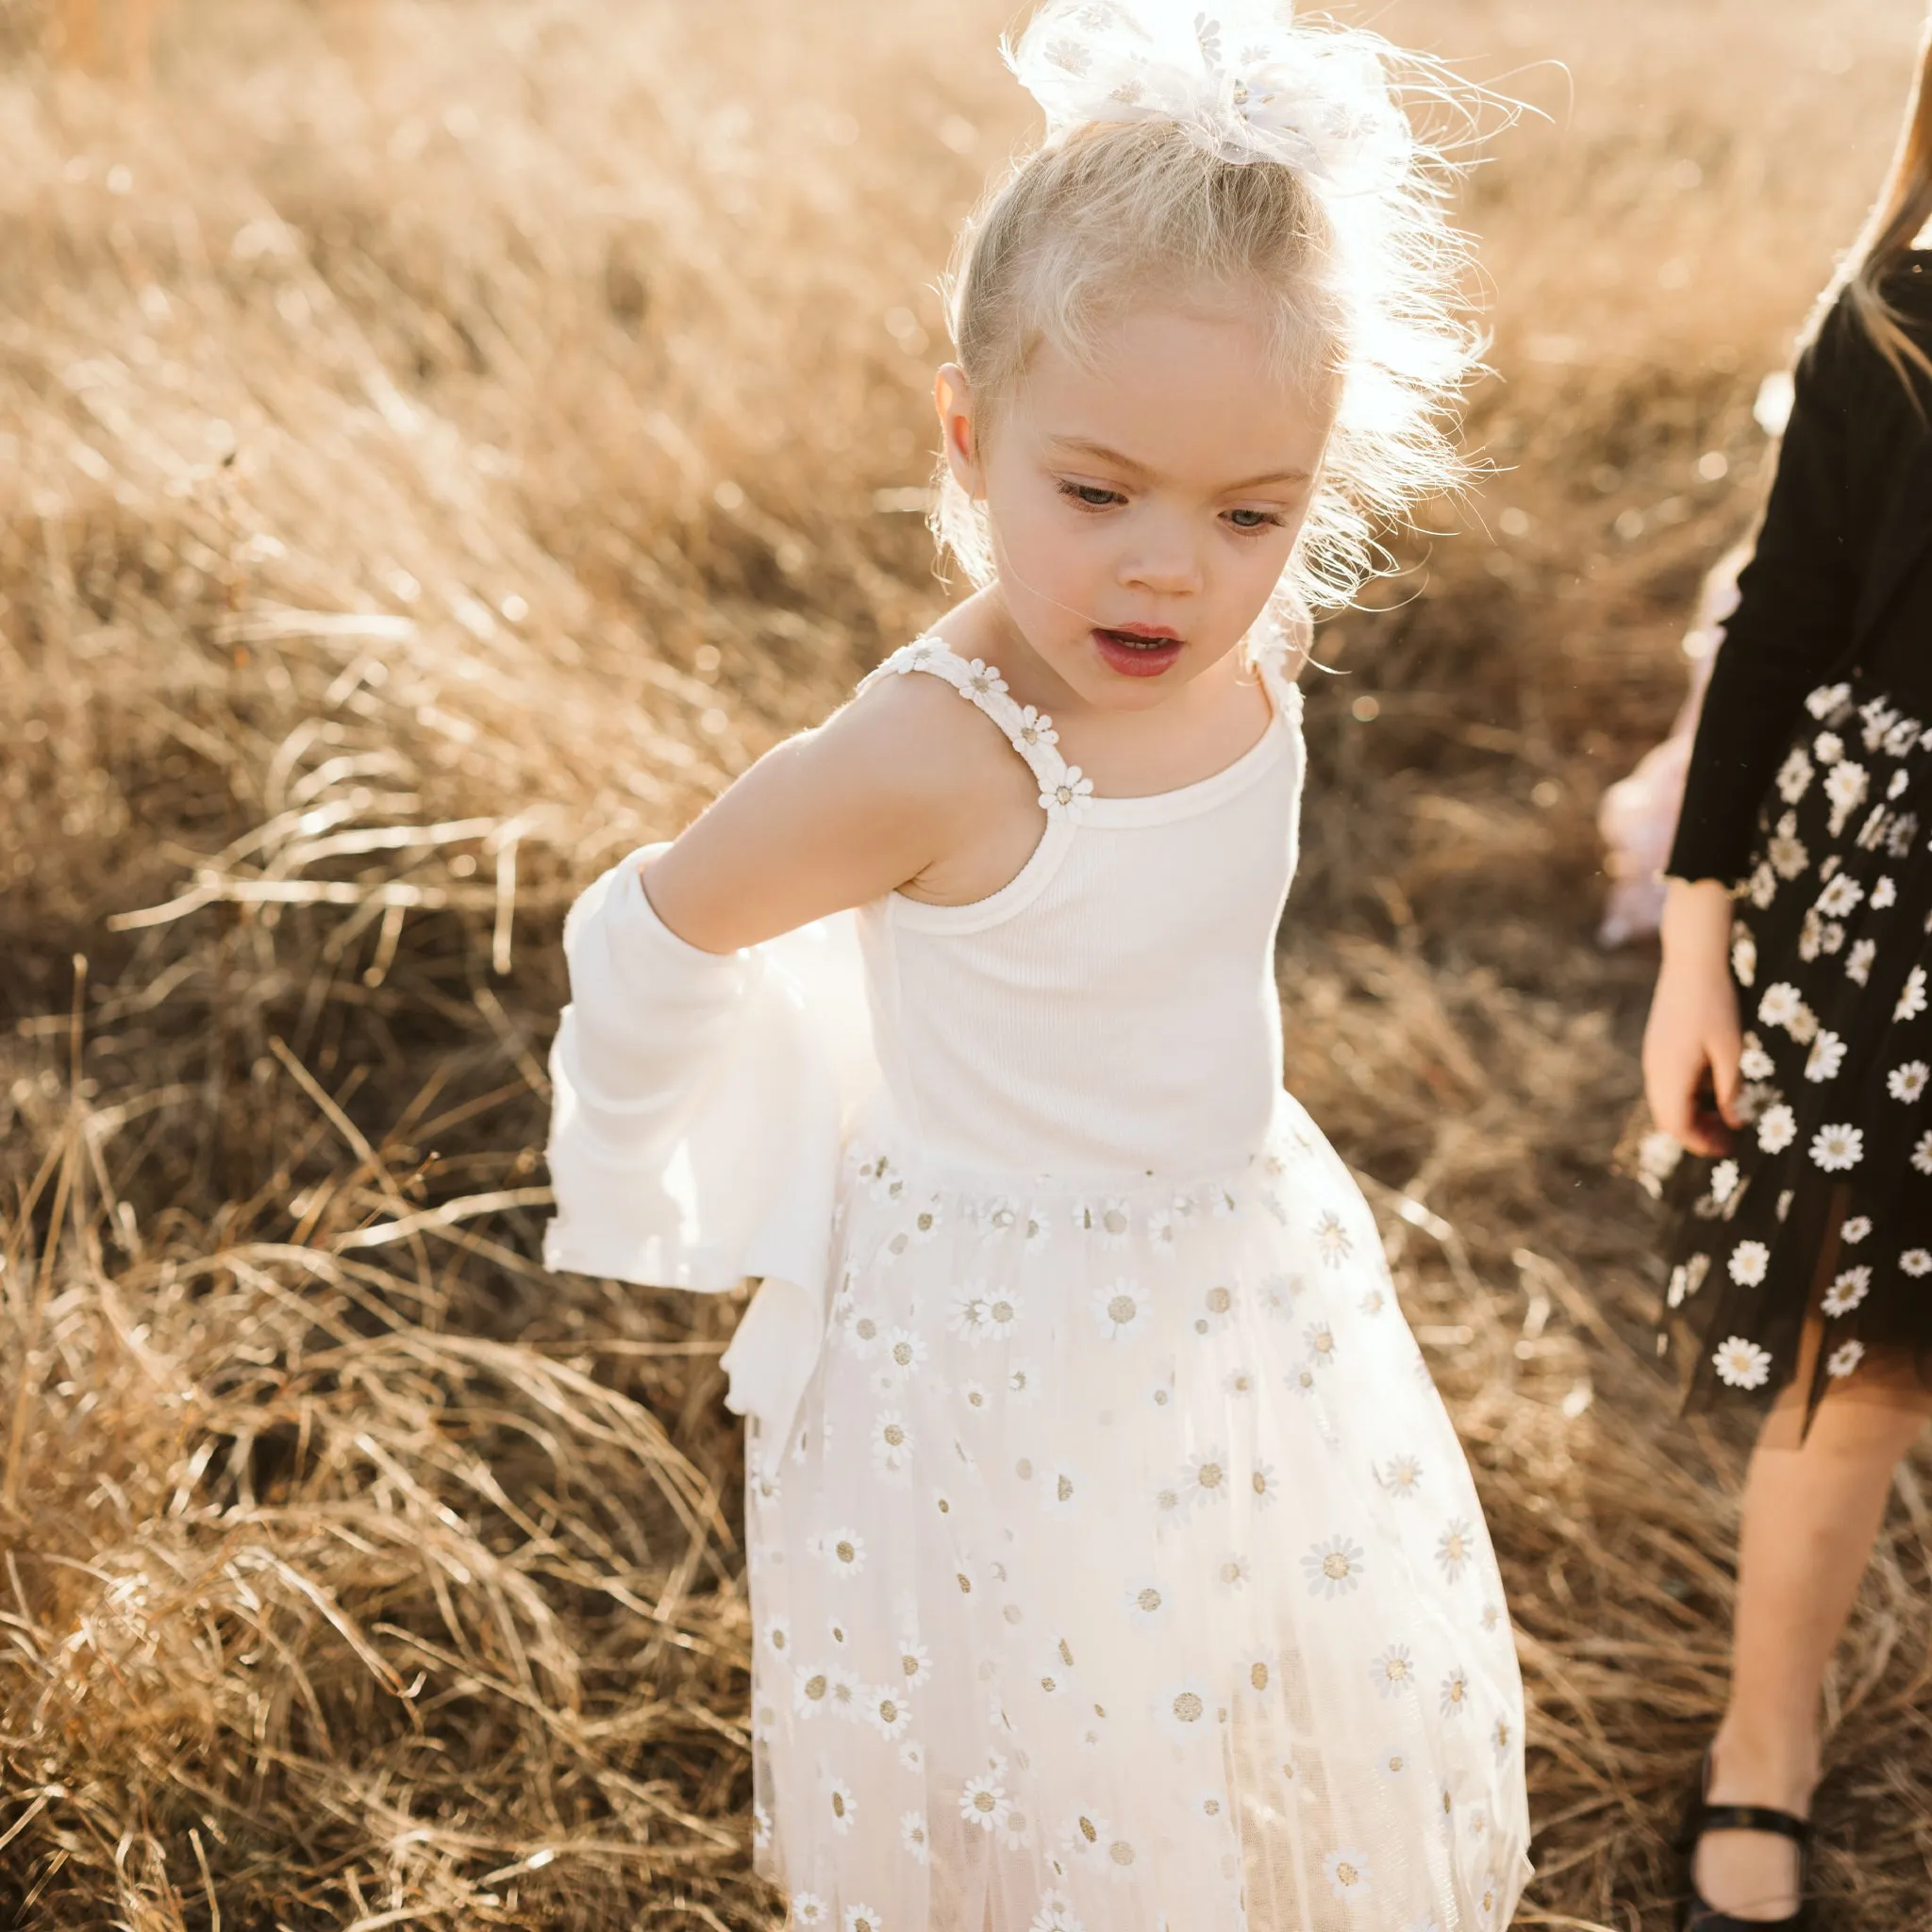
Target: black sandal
[(1699, 1915)]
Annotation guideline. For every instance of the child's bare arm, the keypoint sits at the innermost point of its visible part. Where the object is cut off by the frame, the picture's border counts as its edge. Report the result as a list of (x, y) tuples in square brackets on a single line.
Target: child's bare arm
[(876, 797)]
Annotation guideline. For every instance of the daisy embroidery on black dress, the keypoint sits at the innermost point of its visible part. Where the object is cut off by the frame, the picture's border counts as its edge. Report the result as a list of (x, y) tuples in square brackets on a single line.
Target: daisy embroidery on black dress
[(1838, 1129)]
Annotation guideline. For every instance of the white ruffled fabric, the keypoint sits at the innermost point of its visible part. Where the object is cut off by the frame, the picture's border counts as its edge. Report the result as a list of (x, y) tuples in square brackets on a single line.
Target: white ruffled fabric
[(1243, 78), (701, 1106)]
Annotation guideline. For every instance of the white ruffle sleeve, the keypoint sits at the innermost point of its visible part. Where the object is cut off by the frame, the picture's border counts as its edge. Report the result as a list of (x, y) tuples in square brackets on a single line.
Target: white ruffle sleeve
[(698, 1122)]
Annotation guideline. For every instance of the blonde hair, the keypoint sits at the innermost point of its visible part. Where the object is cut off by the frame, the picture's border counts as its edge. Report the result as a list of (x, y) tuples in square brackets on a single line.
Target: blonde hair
[(1903, 210), (1361, 289)]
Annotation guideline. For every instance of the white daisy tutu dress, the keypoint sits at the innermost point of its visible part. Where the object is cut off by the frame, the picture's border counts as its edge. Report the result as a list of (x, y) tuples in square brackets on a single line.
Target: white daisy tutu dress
[(1113, 1562)]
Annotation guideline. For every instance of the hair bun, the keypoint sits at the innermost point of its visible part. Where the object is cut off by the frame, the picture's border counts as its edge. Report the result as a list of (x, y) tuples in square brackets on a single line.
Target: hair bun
[(1241, 77)]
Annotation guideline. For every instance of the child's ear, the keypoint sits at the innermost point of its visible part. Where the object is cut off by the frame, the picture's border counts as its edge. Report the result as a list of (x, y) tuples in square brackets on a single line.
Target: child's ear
[(952, 397)]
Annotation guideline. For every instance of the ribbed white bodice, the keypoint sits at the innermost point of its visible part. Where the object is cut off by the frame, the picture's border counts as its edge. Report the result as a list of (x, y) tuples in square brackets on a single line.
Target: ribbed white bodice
[(1113, 1010)]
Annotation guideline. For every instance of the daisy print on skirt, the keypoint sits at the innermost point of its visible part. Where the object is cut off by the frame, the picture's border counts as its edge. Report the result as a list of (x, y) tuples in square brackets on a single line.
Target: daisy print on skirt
[(1835, 983), (1138, 1389)]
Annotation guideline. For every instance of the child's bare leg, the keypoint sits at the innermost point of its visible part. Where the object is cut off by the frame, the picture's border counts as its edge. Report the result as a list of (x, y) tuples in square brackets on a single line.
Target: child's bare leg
[(1811, 1514)]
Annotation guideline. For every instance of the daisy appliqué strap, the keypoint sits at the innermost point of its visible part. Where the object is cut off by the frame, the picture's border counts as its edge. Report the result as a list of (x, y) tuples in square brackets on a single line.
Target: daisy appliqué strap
[(1279, 661), (1064, 790)]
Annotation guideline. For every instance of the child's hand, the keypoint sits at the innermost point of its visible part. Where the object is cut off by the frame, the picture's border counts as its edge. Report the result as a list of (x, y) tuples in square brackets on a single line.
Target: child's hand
[(1691, 1044)]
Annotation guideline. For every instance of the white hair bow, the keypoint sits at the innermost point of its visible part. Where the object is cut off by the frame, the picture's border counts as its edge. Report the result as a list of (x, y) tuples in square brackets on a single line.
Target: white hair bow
[(1239, 76)]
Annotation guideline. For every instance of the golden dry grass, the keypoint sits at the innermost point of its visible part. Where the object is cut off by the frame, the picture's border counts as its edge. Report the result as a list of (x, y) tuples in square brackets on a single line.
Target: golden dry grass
[(441, 444)]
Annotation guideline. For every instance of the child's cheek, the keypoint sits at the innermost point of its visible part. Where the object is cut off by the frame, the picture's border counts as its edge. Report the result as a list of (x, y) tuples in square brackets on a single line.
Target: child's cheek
[(1061, 554)]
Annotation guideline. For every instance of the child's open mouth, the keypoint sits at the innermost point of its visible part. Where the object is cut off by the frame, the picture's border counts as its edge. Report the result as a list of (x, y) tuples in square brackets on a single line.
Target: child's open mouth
[(1137, 653)]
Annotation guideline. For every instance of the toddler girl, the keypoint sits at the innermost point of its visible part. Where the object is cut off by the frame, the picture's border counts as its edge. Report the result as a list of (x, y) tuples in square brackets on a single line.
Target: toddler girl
[(1113, 1563)]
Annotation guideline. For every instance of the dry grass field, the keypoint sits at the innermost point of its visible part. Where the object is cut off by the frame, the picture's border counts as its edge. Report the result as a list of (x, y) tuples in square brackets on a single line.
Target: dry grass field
[(441, 441)]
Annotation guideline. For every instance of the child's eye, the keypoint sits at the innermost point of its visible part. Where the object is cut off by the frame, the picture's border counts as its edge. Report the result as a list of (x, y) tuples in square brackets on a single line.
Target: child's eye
[(1253, 520), (1091, 496)]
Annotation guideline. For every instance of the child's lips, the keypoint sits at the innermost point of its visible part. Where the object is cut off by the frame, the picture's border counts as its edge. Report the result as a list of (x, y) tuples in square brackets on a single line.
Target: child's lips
[(1135, 652)]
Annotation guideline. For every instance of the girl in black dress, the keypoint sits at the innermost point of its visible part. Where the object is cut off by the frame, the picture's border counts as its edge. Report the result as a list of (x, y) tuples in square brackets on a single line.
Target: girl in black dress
[(1790, 1044)]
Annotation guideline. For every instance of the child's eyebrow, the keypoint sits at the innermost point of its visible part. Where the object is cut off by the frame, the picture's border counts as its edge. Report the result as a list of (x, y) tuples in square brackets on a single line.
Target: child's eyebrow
[(1080, 445), (1083, 446), (1249, 483)]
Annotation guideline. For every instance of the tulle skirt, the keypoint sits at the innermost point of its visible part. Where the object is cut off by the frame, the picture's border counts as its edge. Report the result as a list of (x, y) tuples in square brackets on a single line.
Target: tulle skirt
[(1126, 1572), (1808, 1247)]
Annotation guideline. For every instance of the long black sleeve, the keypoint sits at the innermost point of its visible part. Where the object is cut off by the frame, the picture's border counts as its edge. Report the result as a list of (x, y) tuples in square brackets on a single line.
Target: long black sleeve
[(1792, 625)]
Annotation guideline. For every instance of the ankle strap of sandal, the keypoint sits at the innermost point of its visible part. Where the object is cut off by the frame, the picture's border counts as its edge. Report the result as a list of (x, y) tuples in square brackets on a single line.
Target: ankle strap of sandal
[(1753, 1818)]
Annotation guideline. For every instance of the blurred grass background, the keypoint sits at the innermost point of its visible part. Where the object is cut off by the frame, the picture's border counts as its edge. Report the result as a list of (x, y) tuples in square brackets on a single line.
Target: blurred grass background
[(440, 444)]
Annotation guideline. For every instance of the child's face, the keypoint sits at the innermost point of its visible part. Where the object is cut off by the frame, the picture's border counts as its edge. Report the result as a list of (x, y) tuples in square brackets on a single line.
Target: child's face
[(1143, 507)]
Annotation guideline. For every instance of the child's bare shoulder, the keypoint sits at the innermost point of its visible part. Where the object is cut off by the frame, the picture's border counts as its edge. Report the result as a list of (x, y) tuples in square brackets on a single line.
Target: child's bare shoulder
[(914, 736)]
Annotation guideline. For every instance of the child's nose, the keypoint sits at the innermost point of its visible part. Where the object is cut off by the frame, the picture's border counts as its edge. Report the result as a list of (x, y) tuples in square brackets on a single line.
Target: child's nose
[(1166, 562)]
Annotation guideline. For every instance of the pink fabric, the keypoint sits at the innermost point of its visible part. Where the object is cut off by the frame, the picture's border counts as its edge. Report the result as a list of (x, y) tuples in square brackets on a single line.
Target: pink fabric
[(1638, 817)]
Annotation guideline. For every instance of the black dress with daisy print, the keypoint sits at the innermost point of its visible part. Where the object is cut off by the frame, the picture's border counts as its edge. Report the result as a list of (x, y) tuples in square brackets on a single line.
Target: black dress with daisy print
[(1810, 792)]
